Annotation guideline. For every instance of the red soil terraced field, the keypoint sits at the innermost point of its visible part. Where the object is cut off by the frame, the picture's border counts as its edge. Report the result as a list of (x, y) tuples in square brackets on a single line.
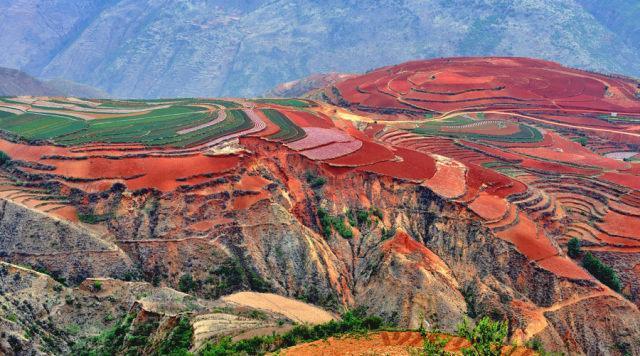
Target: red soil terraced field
[(450, 84), (516, 146)]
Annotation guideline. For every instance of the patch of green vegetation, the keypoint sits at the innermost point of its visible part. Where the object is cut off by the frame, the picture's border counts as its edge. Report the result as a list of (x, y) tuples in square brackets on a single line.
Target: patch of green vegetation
[(327, 222), (602, 272), (107, 343), (536, 345), (486, 337), (90, 218), (362, 217), (492, 164), (124, 338), (375, 211), (186, 283), (342, 228), (229, 277), (435, 346), (469, 295), (355, 321), (286, 102), (581, 140), (73, 329), (257, 314), (573, 248), (53, 274), (289, 131), (315, 181), (178, 342), (97, 286), (388, 233)]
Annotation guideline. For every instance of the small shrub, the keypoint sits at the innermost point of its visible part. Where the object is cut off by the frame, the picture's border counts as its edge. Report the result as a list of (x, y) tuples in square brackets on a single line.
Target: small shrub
[(341, 227), (486, 337), (317, 182), (90, 218), (377, 213), (325, 222), (257, 314), (328, 222), (388, 233), (602, 272), (73, 329), (4, 158), (314, 180), (435, 347), (362, 217), (469, 295), (536, 345), (186, 283), (581, 140), (97, 286), (573, 248), (108, 318)]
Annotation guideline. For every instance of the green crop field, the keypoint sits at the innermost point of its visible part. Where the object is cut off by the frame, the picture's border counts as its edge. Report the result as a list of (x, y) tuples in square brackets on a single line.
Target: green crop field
[(35, 126), (525, 133), (150, 128), (285, 102), (5, 114), (224, 103), (159, 127), (288, 130), (452, 121), (235, 121)]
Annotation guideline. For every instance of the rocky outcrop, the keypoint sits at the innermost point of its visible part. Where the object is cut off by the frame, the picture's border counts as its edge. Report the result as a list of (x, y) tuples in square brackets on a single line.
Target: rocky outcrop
[(69, 252)]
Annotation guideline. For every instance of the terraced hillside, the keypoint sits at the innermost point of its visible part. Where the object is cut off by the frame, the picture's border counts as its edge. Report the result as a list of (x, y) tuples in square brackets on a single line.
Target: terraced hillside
[(423, 192)]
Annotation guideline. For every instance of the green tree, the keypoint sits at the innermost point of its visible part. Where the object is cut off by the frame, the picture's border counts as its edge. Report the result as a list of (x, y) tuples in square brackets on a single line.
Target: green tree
[(573, 248), (602, 272)]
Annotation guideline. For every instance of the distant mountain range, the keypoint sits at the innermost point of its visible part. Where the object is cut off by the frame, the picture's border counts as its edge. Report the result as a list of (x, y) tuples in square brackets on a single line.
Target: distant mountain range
[(15, 83), (156, 48)]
